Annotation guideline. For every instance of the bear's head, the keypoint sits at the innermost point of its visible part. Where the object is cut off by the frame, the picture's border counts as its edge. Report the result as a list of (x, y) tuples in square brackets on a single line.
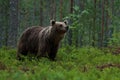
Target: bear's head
[(59, 27)]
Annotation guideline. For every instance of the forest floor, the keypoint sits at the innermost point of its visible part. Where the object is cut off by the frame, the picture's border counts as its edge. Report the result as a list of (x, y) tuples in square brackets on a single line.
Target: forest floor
[(72, 64)]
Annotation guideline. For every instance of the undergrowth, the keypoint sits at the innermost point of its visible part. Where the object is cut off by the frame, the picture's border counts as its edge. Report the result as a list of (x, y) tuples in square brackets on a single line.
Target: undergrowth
[(72, 64)]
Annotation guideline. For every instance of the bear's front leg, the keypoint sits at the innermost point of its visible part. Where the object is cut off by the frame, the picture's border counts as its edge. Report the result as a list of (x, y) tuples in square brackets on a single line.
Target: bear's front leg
[(52, 56), (41, 53), (52, 53)]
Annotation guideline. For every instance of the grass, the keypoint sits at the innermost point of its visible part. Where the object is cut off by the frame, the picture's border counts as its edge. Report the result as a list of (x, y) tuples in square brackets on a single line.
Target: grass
[(72, 64)]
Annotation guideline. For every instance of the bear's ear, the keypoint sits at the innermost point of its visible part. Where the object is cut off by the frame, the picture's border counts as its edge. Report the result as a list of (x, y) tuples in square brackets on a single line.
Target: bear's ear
[(52, 22), (66, 22)]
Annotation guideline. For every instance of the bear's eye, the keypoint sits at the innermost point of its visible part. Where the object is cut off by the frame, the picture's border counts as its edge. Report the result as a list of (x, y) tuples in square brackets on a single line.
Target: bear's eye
[(60, 25)]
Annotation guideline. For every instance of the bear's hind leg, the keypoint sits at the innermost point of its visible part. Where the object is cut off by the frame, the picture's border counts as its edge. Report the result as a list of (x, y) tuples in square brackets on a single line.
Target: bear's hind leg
[(20, 54)]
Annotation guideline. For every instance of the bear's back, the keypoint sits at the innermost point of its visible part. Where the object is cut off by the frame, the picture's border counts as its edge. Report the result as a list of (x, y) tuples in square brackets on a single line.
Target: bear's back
[(30, 39)]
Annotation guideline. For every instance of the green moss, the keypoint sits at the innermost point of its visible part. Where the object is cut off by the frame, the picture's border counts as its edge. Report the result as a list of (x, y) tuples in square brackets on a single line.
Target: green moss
[(71, 64)]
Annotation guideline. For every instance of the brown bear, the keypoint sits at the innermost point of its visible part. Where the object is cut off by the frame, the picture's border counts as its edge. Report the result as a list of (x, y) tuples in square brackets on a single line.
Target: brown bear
[(42, 41)]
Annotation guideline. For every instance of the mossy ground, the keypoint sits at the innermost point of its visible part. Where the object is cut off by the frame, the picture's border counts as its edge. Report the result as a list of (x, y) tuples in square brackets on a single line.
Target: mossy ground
[(72, 64)]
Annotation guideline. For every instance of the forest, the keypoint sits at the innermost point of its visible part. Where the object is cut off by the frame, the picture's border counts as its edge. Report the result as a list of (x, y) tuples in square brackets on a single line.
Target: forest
[(90, 50)]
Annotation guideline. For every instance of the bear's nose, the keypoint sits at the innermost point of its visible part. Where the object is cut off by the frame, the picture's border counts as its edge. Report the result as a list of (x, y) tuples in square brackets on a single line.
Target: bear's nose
[(67, 27)]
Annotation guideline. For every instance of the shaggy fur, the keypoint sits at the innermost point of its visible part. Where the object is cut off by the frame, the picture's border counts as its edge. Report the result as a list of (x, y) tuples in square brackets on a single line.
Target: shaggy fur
[(42, 41)]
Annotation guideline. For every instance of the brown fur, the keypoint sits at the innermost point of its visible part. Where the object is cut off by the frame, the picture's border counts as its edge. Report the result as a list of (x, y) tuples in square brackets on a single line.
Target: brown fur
[(42, 41)]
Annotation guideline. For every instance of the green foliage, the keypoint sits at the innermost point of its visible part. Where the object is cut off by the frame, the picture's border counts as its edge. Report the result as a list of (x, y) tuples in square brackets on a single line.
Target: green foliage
[(83, 27), (71, 64), (115, 40), (114, 32)]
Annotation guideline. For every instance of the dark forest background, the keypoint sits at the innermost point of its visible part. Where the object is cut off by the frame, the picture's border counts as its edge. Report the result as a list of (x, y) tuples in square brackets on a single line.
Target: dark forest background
[(92, 22)]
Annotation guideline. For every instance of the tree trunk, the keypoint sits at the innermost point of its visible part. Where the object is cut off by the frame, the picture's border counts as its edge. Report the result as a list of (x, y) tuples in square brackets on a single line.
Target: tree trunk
[(80, 36), (94, 24), (34, 12), (102, 24), (12, 38), (53, 9), (1, 28), (61, 9), (106, 24), (41, 13), (81, 4), (111, 20), (70, 31), (4, 22)]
